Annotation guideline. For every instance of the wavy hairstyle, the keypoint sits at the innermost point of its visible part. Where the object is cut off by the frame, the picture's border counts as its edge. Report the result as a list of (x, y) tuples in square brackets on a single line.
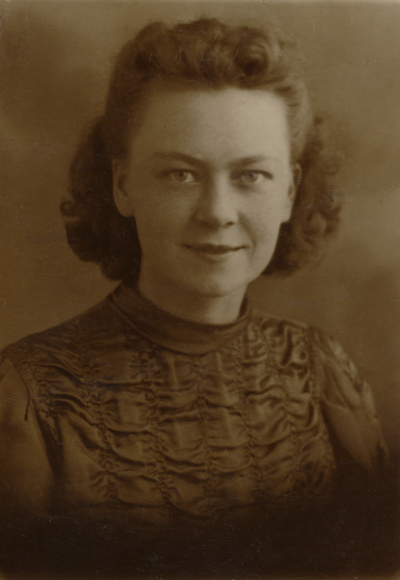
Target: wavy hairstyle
[(206, 55)]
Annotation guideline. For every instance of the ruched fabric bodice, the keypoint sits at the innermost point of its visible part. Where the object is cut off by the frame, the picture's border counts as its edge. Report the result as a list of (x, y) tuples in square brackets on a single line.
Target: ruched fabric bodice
[(127, 411)]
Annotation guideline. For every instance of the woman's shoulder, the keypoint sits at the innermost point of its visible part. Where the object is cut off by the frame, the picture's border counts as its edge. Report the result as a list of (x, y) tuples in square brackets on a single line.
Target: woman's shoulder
[(290, 339), (67, 346), (331, 364), (345, 397), (296, 346), (286, 333)]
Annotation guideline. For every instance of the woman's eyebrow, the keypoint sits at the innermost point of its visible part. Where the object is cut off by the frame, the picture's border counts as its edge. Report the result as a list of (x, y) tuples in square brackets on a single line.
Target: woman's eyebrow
[(178, 157), (253, 159)]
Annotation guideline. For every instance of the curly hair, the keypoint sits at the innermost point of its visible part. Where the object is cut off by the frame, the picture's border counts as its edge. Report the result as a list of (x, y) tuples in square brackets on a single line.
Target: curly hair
[(206, 55)]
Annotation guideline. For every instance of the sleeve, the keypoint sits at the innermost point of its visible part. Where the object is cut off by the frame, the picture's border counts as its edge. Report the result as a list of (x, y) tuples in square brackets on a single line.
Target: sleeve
[(348, 405), (25, 472)]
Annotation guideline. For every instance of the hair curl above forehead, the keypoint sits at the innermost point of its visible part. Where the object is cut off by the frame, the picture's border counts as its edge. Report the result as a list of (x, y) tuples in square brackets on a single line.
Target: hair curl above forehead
[(202, 55)]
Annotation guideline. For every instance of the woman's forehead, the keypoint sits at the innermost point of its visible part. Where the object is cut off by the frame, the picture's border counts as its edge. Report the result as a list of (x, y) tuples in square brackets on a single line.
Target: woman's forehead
[(213, 119), (194, 93)]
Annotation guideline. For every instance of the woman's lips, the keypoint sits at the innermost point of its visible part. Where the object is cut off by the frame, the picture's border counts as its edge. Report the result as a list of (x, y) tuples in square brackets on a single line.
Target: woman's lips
[(214, 249)]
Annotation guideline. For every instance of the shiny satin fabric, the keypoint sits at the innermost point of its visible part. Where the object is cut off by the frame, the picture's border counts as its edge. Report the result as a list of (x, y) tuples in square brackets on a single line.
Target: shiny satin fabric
[(128, 414)]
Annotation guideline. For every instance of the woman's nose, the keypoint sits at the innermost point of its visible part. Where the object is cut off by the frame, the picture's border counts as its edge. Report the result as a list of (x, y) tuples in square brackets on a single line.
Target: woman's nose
[(216, 204)]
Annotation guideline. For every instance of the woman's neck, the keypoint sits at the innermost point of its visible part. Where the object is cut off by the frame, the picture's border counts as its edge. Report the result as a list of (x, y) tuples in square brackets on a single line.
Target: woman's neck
[(191, 306)]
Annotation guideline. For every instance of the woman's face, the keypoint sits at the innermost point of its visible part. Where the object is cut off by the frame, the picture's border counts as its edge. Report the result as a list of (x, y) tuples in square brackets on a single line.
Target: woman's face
[(208, 179)]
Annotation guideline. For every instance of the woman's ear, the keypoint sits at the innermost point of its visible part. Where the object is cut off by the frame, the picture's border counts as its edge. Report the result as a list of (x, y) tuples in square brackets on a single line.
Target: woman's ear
[(121, 192), (296, 179), (297, 175)]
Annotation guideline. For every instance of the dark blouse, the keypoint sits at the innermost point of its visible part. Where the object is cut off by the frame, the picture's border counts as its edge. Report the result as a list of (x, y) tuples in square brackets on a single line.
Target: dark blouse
[(128, 417)]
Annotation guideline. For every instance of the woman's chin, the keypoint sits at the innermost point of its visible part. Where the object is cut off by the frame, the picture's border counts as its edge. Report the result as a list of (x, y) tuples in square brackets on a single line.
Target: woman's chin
[(218, 287)]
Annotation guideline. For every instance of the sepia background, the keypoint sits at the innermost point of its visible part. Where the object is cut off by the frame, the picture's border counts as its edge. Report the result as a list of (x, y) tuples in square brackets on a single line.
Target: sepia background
[(55, 57)]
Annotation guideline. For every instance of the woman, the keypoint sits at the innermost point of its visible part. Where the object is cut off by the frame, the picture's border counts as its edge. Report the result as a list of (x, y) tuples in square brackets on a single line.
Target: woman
[(171, 427)]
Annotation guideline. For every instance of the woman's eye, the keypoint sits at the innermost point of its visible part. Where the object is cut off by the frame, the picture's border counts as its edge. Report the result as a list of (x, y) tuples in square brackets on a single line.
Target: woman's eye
[(250, 177), (182, 176)]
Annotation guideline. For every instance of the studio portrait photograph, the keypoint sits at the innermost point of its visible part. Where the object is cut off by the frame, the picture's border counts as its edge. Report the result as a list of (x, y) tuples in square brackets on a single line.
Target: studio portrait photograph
[(199, 289)]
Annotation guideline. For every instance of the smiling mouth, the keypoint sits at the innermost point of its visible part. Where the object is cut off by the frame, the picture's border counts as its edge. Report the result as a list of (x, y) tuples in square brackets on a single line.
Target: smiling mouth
[(215, 250)]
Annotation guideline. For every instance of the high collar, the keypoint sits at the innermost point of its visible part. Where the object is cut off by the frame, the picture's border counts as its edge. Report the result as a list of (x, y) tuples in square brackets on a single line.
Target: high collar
[(173, 332)]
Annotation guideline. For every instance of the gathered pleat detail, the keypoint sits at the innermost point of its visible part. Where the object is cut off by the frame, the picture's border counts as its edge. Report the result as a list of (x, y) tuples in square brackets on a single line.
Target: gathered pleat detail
[(141, 427)]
